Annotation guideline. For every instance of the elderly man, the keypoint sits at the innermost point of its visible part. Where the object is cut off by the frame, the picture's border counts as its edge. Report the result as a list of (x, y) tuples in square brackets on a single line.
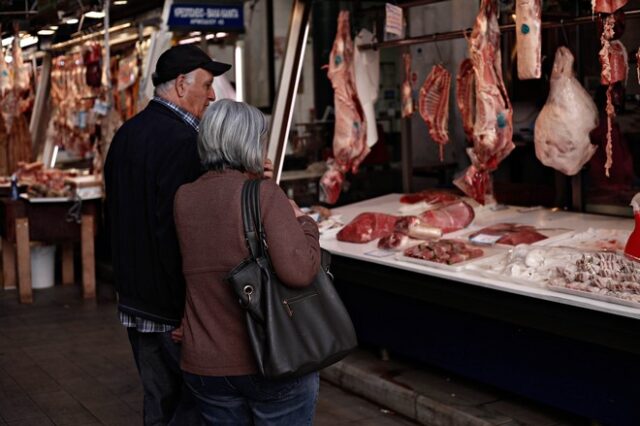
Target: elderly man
[(151, 155)]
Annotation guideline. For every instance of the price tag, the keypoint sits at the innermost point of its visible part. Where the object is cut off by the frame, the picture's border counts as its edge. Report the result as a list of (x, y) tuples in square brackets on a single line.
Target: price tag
[(485, 239), (101, 108), (393, 23)]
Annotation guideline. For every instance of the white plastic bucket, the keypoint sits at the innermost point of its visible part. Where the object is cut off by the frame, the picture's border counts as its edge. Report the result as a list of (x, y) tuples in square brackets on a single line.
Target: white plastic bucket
[(42, 266)]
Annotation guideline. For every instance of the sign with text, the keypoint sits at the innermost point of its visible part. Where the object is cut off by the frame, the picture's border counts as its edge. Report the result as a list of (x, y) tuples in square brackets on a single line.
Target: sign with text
[(223, 17)]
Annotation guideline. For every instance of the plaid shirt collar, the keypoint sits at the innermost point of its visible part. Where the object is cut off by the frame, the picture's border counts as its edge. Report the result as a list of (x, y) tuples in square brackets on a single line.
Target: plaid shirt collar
[(186, 116)]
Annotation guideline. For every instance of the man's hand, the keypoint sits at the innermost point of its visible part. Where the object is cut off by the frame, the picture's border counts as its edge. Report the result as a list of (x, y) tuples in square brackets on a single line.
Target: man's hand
[(268, 169), (176, 334)]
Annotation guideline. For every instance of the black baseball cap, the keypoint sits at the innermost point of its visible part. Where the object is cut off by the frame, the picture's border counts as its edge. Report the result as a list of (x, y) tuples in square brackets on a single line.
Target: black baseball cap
[(183, 59)]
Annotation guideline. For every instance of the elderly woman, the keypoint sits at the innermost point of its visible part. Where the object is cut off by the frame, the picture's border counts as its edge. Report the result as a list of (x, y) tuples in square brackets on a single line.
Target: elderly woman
[(217, 360)]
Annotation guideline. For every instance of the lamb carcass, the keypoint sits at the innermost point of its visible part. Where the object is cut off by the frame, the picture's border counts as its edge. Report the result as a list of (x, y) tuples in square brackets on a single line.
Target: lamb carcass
[(493, 127), (563, 126), (466, 97), (20, 70), (607, 6), (529, 38), (406, 90), (434, 105), (5, 75), (349, 138), (366, 68)]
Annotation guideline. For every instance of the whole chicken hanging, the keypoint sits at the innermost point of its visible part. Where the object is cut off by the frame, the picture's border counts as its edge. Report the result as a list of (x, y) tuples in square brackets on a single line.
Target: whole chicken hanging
[(563, 126), (529, 38), (493, 127), (349, 138), (434, 105)]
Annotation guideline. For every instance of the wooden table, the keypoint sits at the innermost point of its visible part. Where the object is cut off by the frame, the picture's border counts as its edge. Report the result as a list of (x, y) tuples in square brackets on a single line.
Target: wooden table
[(22, 221)]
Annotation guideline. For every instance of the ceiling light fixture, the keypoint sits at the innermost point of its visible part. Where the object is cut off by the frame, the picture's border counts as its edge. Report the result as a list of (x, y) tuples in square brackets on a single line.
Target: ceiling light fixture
[(46, 32), (94, 14), (119, 2), (53, 27), (71, 21), (190, 40)]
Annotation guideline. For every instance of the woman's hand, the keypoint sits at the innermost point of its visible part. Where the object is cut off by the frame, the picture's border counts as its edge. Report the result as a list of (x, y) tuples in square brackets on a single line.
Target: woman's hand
[(296, 209), (268, 169)]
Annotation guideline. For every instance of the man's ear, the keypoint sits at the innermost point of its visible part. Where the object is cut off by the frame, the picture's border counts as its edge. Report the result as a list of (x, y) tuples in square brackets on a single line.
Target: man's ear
[(180, 85)]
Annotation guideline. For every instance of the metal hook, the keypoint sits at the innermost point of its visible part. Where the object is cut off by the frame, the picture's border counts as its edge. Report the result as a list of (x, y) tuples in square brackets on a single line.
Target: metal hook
[(564, 33), (435, 42)]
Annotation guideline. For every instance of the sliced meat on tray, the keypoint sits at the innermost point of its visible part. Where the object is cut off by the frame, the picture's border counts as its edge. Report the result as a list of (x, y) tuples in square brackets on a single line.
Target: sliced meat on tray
[(444, 251), (512, 233)]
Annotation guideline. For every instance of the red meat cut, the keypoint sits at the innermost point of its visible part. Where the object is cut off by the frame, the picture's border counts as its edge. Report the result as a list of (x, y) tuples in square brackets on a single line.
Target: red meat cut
[(449, 218), (367, 227)]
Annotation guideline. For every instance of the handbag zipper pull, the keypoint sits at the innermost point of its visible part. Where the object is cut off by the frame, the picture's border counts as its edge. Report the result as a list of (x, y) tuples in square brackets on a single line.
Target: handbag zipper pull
[(286, 305)]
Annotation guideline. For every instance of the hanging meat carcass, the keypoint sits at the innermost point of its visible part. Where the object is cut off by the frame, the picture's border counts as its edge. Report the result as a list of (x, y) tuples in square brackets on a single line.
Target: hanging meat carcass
[(20, 70), (349, 139), (607, 6), (466, 97), (366, 67), (5, 75), (638, 64), (618, 60), (493, 126), (434, 105), (613, 57), (563, 126), (406, 90), (529, 38)]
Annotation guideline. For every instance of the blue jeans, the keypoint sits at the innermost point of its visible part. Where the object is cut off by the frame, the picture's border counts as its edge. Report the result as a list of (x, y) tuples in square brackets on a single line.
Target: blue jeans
[(254, 400), (167, 401)]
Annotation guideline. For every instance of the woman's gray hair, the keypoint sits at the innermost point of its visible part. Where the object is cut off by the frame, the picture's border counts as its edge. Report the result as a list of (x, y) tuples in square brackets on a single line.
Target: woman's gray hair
[(231, 136)]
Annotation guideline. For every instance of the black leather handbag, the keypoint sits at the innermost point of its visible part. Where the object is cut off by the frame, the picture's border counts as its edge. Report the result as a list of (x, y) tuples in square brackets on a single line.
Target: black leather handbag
[(293, 331)]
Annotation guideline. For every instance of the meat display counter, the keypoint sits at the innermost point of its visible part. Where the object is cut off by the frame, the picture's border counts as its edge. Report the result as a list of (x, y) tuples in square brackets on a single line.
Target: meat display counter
[(576, 353)]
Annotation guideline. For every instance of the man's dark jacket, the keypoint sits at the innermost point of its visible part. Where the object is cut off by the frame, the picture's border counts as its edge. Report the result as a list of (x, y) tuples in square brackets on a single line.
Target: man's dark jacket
[(151, 155)]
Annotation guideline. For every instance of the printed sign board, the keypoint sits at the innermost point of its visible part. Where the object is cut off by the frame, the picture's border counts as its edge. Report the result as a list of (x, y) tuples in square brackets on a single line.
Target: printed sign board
[(218, 17)]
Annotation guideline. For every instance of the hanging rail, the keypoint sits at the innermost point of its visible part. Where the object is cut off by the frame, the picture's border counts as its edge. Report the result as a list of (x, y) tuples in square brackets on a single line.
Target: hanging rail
[(451, 35)]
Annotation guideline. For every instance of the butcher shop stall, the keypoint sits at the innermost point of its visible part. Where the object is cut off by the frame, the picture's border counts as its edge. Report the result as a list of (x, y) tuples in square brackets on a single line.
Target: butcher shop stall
[(479, 181), (70, 74)]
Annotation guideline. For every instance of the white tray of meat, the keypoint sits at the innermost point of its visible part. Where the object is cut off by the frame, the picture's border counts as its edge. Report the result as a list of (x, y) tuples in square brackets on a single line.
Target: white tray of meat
[(605, 276), (511, 234), (532, 266), (448, 254), (595, 239)]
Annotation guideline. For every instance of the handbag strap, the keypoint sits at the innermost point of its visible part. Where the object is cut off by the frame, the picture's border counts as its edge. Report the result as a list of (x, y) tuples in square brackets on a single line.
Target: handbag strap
[(250, 195)]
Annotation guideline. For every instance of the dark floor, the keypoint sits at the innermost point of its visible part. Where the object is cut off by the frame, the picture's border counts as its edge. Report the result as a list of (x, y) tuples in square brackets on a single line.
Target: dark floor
[(65, 361)]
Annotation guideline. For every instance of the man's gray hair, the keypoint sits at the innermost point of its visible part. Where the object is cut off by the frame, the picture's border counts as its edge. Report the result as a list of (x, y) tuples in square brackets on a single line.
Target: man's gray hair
[(164, 88), (231, 136)]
